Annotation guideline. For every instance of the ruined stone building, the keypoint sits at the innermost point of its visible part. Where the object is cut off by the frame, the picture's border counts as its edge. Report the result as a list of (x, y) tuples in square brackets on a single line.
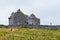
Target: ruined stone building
[(19, 18)]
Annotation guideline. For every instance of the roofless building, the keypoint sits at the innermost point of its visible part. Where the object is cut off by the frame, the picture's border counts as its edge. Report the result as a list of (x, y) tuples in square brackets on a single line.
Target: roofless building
[(19, 18)]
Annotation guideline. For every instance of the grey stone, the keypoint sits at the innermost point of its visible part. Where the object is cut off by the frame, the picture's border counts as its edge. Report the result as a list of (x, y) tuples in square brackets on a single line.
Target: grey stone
[(19, 18)]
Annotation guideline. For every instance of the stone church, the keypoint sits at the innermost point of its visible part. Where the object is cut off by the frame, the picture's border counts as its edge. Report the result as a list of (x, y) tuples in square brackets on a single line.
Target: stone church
[(19, 18)]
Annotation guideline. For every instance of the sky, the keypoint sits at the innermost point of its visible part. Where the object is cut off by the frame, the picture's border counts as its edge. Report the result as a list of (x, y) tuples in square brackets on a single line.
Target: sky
[(47, 10)]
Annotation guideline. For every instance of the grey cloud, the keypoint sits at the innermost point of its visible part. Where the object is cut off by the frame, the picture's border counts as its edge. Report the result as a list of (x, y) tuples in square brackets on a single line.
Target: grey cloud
[(46, 10)]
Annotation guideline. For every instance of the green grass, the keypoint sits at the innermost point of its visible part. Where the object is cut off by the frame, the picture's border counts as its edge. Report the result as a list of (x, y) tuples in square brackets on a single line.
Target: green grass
[(29, 34)]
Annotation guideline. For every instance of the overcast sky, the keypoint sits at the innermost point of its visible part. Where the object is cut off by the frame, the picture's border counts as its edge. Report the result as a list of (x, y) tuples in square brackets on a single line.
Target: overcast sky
[(47, 10)]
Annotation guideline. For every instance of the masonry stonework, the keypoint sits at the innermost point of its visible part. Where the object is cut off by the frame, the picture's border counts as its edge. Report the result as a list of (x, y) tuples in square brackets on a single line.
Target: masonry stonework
[(19, 18)]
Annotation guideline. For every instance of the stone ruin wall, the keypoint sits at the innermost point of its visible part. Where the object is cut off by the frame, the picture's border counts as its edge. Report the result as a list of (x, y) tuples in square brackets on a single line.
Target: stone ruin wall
[(38, 26)]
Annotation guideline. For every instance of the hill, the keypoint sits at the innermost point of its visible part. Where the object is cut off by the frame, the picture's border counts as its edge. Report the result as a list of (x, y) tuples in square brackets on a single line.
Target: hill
[(29, 34)]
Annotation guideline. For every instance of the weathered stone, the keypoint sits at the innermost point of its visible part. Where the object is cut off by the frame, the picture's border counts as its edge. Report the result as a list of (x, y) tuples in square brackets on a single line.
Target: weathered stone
[(19, 18)]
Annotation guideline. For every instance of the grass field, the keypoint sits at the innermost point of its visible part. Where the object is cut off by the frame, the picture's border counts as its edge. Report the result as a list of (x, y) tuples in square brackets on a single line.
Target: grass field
[(29, 34)]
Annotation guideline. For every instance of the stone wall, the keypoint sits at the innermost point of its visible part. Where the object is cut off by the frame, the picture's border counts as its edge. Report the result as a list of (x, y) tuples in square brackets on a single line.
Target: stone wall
[(18, 18), (38, 26)]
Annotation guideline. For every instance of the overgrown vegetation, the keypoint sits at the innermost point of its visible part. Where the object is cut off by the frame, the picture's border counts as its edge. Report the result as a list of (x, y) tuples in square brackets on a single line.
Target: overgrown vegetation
[(3, 26), (29, 34)]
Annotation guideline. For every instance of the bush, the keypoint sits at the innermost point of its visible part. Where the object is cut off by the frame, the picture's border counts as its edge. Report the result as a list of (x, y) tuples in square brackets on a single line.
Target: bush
[(3, 26)]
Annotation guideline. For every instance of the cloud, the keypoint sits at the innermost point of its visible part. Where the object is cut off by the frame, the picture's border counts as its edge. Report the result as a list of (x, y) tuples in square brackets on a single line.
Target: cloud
[(46, 10)]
